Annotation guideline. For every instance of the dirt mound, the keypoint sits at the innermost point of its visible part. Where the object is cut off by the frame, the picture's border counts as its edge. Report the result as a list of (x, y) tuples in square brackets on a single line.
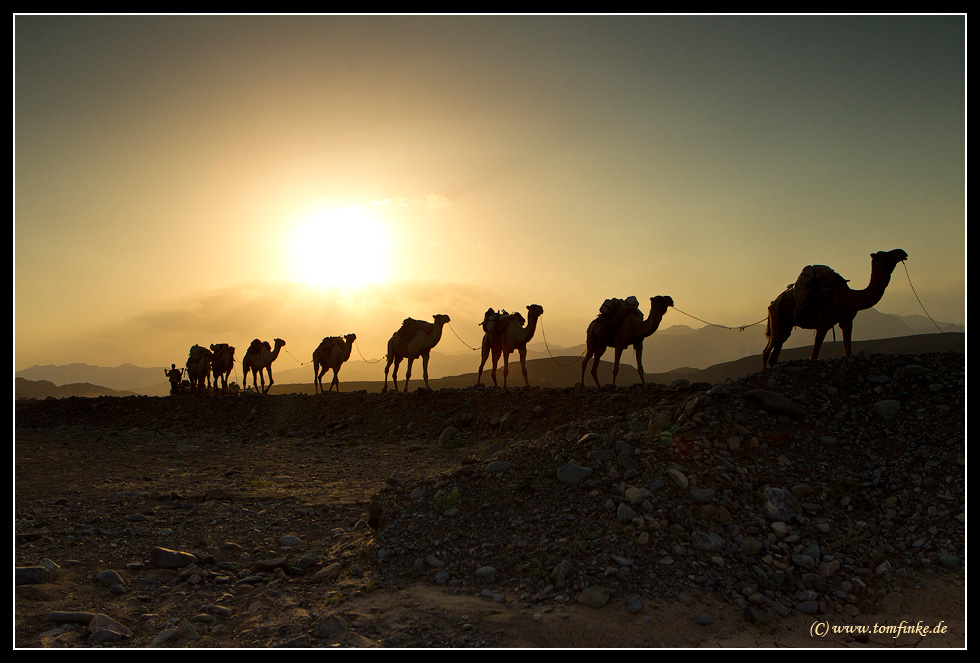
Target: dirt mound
[(681, 515)]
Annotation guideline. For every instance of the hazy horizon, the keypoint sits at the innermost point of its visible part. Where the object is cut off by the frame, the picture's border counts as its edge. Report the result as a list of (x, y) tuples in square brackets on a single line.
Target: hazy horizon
[(186, 180)]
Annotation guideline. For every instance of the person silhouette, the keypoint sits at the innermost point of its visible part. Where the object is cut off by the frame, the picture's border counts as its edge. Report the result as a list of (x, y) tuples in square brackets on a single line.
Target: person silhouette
[(175, 375)]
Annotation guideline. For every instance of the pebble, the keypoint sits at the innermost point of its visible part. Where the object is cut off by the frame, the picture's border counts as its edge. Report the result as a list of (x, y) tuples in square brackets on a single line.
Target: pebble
[(774, 403), (887, 409), (594, 597), (31, 575), (165, 558), (679, 477), (573, 474)]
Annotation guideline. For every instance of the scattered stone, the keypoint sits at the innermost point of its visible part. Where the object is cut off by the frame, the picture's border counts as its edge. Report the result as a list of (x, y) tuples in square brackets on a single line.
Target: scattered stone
[(448, 435), (594, 597), (774, 403), (573, 474), (165, 558), (887, 409), (109, 578), (781, 505), (31, 575), (679, 478), (100, 622)]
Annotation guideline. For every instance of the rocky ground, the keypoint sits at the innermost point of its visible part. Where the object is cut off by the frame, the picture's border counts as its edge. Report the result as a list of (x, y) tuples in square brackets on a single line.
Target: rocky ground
[(757, 513)]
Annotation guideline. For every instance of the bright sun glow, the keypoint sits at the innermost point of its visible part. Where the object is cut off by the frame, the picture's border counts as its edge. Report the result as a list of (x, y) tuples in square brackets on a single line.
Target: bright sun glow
[(341, 247)]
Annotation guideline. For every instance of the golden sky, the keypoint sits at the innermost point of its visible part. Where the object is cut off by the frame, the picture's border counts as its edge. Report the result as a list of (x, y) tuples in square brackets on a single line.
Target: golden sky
[(204, 179)]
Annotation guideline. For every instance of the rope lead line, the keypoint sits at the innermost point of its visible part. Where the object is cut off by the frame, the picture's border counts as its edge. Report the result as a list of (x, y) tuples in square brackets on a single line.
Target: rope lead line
[(375, 361), (297, 360), (741, 328), (553, 358), (460, 340), (919, 300)]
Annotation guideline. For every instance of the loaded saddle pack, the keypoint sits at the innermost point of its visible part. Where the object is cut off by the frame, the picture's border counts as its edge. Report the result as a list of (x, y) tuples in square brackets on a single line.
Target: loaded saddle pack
[(811, 291), (496, 322), (612, 313)]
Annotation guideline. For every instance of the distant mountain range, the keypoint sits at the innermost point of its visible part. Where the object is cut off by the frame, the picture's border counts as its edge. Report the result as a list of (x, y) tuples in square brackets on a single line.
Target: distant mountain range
[(43, 389), (678, 349)]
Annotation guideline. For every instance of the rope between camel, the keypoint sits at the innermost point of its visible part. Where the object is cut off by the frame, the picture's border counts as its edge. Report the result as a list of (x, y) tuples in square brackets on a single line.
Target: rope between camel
[(297, 360), (548, 347), (919, 300), (712, 324), (366, 360), (460, 340)]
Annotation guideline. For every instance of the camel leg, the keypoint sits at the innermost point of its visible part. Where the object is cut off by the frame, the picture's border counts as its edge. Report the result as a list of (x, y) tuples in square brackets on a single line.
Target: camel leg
[(638, 349), (818, 342), (766, 352), (506, 367), (522, 353), (408, 372), (585, 363), (266, 389), (484, 353), (595, 365), (384, 390), (846, 327), (771, 354), (494, 360), (618, 354), (394, 374), (425, 370), (336, 382)]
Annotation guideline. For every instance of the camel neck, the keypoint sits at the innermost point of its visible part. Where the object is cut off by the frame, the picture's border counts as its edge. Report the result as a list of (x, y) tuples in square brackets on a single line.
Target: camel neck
[(653, 321), (532, 324), (865, 299)]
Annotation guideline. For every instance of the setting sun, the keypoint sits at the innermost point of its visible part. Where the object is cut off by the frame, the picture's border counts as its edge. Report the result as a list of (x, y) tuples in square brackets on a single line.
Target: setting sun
[(340, 247)]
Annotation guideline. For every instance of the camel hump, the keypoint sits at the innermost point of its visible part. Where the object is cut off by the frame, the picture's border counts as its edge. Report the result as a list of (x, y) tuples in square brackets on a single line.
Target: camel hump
[(329, 342), (221, 348), (612, 313), (814, 286), (410, 326), (616, 310), (198, 351), (614, 305), (507, 319), (254, 346)]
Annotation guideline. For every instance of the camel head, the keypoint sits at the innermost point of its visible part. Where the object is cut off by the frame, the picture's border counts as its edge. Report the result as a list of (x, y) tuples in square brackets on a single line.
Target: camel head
[(535, 310), (350, 338), (888, 259), (440, 319), (661, 302), (280, 342)]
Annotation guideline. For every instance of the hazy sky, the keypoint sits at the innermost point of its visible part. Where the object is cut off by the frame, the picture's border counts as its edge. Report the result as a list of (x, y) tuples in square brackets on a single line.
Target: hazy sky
[(199, 179)]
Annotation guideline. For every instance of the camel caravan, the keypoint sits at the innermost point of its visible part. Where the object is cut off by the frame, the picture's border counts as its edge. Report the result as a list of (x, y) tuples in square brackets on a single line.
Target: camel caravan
[(819, 299)]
